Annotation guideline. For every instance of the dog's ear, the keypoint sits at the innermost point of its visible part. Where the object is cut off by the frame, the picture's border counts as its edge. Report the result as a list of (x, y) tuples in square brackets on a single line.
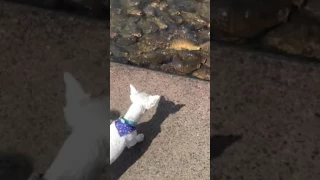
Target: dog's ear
[(74, 91), (133, 89), (152, 101)]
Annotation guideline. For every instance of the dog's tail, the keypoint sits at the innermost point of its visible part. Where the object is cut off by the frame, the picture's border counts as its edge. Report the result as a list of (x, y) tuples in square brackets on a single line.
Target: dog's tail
[(15, 166)]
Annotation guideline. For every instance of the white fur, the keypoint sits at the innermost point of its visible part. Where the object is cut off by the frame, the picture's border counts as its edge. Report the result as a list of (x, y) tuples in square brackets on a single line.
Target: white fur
[(85, 152), (141, 102)]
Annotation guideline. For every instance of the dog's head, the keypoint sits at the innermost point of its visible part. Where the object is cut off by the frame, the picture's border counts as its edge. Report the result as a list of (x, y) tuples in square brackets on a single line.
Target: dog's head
[(146, 100), (81, 110)]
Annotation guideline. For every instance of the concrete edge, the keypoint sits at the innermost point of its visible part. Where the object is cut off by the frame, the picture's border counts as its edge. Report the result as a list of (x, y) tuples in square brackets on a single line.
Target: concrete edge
[(173, 76)]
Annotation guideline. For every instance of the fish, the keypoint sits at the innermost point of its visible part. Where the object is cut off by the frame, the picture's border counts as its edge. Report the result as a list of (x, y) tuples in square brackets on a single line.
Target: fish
[(183, 44)]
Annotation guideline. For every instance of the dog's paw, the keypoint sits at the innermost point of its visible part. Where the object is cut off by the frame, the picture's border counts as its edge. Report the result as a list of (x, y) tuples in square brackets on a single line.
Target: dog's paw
[(140, 137)]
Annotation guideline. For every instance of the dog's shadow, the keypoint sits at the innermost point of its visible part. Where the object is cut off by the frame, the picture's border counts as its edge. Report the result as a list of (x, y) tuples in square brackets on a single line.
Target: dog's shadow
[(114, 114), (150, 129), (219, 143)]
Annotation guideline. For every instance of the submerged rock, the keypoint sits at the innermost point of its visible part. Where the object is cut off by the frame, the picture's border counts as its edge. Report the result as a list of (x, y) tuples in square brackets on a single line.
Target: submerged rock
[(202, 73), (313, 8), (234, 20), (161, 34), (298, 37)]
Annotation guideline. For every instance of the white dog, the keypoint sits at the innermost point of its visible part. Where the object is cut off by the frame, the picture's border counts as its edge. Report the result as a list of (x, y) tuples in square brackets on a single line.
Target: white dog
[(123, 132), (85, 152)]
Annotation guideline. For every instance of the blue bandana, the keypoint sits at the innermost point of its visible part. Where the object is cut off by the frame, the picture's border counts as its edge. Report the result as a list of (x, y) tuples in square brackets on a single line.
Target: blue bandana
[(125, 127)]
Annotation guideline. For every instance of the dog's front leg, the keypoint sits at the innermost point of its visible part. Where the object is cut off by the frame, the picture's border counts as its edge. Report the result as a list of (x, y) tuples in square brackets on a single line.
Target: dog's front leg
[(134, 138), (139, 137)]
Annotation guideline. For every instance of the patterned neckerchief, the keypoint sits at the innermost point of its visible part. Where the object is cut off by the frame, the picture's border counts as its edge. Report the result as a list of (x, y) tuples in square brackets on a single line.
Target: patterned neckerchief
[(125, 127)]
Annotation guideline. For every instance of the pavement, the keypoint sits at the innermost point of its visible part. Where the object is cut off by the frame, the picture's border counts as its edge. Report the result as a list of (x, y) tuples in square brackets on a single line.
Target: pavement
[(177, 133), (265, 116), (36, 47)]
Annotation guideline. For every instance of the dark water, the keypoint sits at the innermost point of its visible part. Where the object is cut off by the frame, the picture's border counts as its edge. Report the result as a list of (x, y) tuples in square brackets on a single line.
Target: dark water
[(142, 33)]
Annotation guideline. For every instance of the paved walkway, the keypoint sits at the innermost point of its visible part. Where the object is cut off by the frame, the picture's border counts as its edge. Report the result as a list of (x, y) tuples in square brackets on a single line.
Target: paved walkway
[(36, 47), (270, 106), (176, 144)]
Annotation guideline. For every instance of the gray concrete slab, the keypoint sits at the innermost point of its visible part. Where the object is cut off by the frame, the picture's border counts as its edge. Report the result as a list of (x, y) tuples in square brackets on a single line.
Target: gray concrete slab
[(176, 144), (36, 47), (272, 102)]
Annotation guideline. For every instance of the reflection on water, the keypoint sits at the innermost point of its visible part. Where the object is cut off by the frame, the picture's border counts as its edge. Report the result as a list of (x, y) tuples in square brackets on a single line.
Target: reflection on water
[(167, 35)]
